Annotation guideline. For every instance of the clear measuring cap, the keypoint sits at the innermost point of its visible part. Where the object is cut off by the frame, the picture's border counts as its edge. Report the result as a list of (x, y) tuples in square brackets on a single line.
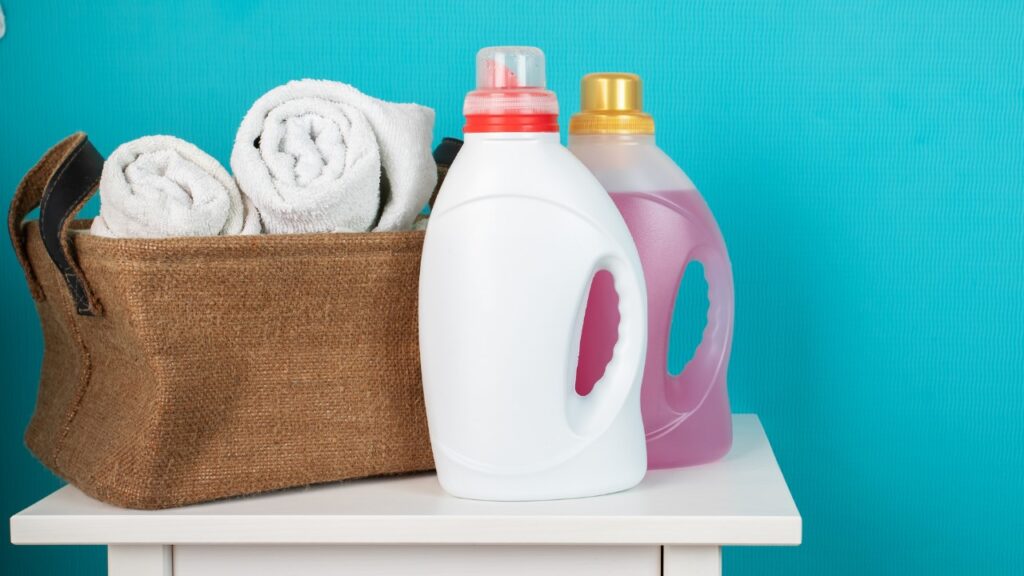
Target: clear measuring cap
[(510, 67), (510, 80)]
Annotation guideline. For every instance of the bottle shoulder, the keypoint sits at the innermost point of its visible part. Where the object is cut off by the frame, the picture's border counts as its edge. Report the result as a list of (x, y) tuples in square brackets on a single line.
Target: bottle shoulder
[(539, 170), (625, 168)]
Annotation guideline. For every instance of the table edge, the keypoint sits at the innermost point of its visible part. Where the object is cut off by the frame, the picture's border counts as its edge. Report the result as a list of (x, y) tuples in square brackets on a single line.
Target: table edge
[(299, 529)]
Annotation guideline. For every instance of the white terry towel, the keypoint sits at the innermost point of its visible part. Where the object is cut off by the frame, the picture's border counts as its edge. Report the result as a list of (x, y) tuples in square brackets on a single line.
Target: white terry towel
[(162, 186), (310, 154)]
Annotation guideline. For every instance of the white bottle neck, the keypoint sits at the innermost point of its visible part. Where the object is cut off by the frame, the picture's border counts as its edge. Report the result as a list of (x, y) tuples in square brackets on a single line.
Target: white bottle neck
[(471, 137)]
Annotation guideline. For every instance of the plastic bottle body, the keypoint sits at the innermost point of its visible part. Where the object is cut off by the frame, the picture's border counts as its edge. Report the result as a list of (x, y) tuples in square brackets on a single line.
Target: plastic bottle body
[(686, 417), (518, 231)]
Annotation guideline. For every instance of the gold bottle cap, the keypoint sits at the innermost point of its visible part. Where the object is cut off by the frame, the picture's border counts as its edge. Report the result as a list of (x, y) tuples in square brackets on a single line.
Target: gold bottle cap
[(611, 103)]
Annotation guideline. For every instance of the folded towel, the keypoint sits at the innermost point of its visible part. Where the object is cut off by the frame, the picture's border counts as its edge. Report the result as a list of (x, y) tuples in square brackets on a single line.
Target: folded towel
[(315, 156), (160, 186)]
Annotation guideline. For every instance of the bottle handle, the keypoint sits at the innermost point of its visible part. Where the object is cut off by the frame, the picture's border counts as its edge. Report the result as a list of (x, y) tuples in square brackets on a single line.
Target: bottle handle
[(592, 414), (686, 393)]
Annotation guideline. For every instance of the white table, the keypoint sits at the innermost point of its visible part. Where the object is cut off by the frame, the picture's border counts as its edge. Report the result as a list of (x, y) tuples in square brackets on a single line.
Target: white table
[(674, 523)]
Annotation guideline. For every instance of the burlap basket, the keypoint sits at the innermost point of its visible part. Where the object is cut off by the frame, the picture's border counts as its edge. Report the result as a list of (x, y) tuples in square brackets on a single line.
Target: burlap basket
[(183, 370)]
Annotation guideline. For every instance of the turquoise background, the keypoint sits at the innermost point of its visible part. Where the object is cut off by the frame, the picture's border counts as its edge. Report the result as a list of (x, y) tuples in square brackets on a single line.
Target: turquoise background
[(865, 161)]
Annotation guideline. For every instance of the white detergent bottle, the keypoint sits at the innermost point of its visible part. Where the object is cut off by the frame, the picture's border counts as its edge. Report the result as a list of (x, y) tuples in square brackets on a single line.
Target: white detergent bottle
[(519, 230)]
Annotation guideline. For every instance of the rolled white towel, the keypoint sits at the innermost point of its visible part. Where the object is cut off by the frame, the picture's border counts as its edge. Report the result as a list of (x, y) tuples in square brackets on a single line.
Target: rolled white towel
[(311, 153), (162, 186)]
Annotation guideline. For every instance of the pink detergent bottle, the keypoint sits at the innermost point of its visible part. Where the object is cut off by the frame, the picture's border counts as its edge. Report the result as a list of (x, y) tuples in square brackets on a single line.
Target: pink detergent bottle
[(686, 417)]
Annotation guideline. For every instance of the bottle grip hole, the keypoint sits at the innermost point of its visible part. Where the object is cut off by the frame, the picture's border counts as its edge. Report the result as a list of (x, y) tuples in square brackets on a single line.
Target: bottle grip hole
[(600, 332), (689, 317)]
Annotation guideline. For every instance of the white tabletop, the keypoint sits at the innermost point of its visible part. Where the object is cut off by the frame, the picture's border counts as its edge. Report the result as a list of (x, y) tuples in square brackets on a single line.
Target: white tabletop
[(741, 500)]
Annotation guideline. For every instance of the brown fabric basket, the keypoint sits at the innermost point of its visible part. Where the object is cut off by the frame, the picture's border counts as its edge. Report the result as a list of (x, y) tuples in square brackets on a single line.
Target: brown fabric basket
[(184, 370)]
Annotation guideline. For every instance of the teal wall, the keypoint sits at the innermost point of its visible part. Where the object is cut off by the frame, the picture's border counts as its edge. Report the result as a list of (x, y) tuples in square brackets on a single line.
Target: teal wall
[(865, 161)]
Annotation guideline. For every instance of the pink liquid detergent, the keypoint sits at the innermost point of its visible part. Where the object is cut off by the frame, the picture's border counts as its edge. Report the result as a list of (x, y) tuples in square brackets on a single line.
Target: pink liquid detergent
[(686, 417)]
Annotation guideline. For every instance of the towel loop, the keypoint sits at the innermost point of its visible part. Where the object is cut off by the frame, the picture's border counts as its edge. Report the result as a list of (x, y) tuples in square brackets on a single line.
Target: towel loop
[(59, 184)]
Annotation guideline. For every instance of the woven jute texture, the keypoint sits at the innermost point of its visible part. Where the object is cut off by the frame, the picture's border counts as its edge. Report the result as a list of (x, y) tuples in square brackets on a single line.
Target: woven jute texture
[(230, 365)]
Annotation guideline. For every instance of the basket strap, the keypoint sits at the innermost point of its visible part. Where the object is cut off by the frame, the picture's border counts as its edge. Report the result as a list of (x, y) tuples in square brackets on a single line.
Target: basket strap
[(60, 184), (444, 155), (27, 198), (66, 192)]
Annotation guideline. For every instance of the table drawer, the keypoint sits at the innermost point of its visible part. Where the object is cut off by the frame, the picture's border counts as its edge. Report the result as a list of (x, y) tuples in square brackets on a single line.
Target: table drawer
[(392, 560)]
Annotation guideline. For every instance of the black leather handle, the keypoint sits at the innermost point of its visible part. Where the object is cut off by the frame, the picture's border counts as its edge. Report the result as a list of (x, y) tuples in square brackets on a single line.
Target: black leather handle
[(444, 155), (446, 151), (26, 199), (70, 187)]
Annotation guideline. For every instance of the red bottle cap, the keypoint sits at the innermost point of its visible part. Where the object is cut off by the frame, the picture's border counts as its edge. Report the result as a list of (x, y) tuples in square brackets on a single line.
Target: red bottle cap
[(510, 93)]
